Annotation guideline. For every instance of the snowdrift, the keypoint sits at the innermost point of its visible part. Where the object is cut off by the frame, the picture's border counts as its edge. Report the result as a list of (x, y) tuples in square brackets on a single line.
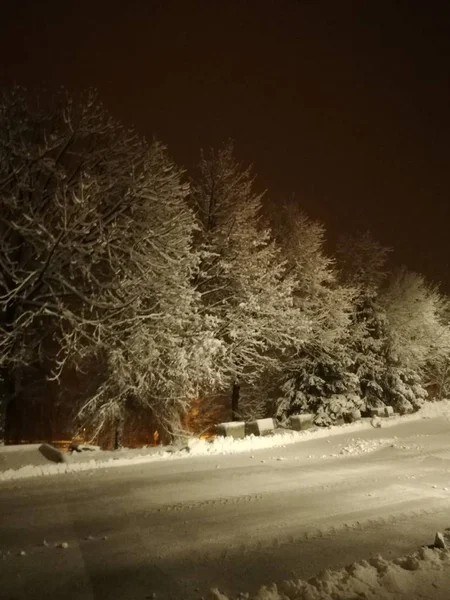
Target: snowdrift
[(424, 574)]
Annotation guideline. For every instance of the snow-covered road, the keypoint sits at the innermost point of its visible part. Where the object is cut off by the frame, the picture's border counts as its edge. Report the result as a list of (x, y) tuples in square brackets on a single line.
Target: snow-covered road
[(236, 522)]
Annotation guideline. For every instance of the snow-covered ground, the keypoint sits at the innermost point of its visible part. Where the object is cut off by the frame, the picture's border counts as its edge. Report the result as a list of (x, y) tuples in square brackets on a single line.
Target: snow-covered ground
[(236, 517), (424, 574), (26, 461)]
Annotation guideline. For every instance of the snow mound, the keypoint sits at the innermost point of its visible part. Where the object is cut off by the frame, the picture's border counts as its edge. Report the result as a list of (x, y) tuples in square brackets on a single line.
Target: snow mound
[(431, 410), (59, 468), (424, 574), (360, 446)]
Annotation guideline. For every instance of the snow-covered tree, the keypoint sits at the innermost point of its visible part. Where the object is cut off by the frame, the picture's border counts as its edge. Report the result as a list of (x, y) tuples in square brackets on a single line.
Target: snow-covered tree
[(95, 261), (318, 378), (362, 264), (418, 336), (243, 281), (399, 332), (65, 169), (163, 348)]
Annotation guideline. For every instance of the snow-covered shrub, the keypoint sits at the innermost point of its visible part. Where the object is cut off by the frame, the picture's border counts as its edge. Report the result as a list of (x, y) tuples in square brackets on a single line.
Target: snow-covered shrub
[(337, 407), (326, 388), (404, 390)]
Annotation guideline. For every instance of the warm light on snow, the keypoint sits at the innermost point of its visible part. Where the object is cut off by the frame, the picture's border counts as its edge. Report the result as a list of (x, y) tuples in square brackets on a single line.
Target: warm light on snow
[(217, 446)]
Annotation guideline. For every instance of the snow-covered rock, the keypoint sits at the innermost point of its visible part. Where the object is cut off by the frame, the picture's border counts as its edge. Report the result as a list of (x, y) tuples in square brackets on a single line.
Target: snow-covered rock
[(301, 422), (377, 411), (52, 453), (234, 429), (259, 427)]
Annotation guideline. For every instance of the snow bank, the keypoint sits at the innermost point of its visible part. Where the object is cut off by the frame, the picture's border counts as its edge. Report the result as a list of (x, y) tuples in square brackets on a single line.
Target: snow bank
[(424, 574), (433, 409), (74, 467), (9, 469), (228, 445)]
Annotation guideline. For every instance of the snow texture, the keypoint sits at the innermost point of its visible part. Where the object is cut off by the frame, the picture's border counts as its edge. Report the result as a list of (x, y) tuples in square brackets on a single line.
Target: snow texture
[(200, 447), (424, 574)]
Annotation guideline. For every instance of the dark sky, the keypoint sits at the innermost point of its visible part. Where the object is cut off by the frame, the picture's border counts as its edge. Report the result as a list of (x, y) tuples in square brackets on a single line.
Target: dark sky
[(344, 104)]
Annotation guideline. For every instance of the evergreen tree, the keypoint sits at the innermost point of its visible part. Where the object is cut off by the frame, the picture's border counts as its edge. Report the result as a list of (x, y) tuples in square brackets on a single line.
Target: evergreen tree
[(242, 280), (418, 337), (318, 378), (362, 263)]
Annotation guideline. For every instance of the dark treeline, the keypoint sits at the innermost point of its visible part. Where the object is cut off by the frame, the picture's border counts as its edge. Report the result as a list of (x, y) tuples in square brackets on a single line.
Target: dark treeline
[(134, 294)]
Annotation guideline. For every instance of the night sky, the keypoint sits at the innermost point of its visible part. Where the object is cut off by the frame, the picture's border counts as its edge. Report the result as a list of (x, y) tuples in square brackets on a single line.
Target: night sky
[(342, 106)]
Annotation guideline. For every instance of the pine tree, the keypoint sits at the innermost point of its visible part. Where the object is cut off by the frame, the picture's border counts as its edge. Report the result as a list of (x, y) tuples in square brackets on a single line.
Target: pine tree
[(418, 336), (242, 281), (318, 378), (362, 264)]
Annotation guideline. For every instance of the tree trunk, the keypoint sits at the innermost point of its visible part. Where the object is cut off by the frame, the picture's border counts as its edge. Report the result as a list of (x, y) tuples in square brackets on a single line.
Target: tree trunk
[(12, 424), (444, 381), (235, 401), (118, 434), (175, 429)]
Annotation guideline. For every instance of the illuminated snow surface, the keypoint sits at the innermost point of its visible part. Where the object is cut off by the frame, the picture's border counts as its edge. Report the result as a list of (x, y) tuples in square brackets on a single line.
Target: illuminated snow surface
[(18, 462), (293, 509)]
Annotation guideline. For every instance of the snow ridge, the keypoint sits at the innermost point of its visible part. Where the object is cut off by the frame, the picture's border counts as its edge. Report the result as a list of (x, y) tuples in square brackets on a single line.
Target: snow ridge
[(424, 574)]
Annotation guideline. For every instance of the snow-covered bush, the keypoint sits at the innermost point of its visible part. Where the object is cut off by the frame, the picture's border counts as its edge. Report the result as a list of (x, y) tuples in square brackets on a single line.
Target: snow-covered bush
[(405, 392), (326, 388)]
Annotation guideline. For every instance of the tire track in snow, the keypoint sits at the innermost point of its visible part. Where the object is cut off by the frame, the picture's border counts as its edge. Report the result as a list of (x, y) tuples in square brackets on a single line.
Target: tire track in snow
[(188, 506), (250, 498), (316, 533)]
